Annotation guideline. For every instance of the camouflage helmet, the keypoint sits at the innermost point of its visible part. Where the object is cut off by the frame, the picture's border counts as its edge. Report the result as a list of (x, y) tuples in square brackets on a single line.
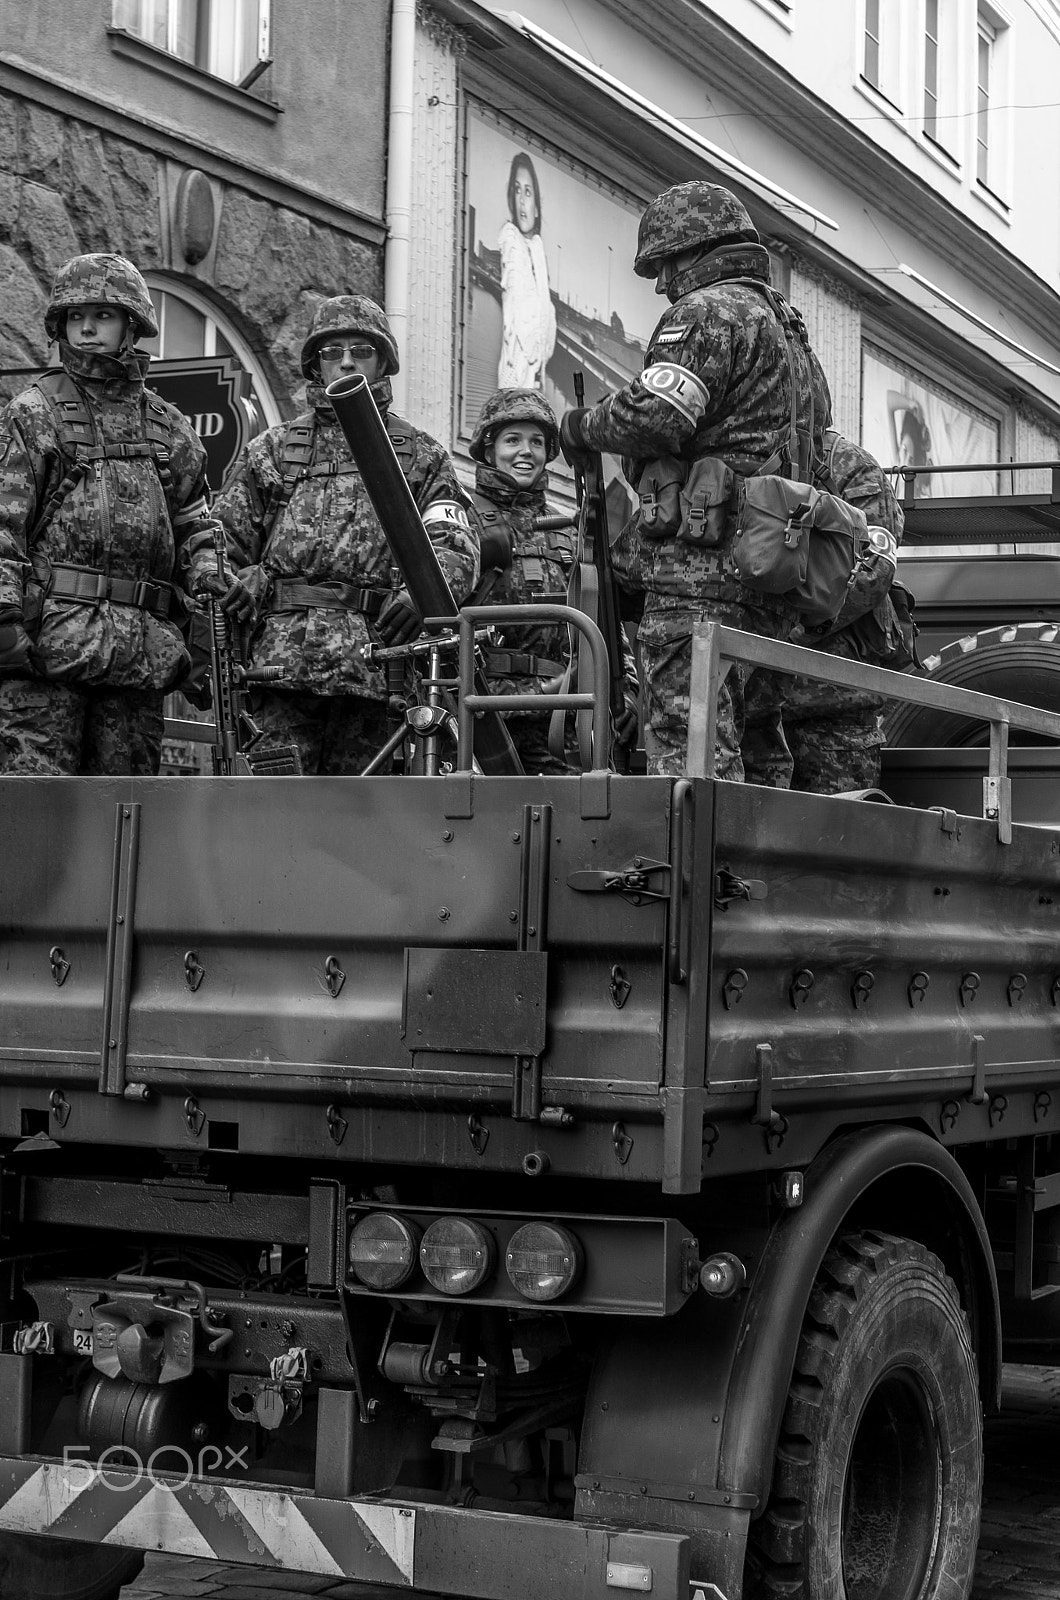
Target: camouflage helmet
[(514, 405), (684, 217), (349, 313), (104, 280)]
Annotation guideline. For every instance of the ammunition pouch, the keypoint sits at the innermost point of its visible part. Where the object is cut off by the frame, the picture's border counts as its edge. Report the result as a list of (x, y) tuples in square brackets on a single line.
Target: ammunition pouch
[(797, 542), (707, 502), (886, 635), (291, 595), (659, 493)]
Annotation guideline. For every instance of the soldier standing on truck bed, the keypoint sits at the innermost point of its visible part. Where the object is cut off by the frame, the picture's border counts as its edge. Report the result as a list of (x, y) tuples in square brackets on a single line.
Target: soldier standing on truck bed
[(102, 502), (528, 550), (835, 733), (315, 582), (712, 403)]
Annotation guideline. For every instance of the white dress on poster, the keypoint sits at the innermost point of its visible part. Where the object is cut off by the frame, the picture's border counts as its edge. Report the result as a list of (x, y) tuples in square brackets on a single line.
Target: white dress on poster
[(529, 317), (527, 312)]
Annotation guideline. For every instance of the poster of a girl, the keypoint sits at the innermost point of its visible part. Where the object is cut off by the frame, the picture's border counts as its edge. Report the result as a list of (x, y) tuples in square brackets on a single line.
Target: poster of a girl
[(527, 313)]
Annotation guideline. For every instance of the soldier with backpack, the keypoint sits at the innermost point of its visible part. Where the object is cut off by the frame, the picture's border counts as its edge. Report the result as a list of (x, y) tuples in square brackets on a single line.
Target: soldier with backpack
[(730, 388), (315, 585), (103, 526), (834, 733)]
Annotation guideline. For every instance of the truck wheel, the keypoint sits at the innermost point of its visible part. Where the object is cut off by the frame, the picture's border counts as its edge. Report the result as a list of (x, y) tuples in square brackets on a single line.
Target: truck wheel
[(33, 1568), (879, 1473), (1017, 662)]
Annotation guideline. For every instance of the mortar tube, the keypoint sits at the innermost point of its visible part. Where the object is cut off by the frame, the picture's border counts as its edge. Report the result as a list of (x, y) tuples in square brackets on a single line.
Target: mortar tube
[(365, 433), (410, 543)]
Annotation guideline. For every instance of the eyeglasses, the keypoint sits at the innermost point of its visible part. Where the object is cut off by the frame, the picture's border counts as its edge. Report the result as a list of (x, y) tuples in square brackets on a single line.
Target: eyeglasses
[(334, 352)]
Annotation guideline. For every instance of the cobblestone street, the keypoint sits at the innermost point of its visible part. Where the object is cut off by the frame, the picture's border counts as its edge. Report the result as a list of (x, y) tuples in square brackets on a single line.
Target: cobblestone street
[(1019, 1547)]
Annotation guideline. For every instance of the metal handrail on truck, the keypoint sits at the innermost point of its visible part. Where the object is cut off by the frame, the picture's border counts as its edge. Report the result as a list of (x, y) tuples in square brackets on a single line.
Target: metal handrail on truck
[(715, 647)]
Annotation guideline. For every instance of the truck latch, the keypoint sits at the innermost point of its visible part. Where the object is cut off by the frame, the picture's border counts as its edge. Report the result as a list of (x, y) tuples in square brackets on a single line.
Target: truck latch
[(728, 887), (632, 881)]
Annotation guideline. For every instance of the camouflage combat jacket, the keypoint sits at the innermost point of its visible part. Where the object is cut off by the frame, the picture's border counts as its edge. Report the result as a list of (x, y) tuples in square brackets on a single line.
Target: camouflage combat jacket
[(726, 335), (328, 532), (536, 568), (113, 520)]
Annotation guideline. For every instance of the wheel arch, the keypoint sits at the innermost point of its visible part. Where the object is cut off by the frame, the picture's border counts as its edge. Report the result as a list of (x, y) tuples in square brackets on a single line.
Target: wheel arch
[(895, 1178)]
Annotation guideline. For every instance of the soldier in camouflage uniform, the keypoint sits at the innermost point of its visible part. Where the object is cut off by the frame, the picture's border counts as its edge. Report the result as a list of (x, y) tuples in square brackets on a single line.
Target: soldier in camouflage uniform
[(315, 582), (526, 559), (716, 384), (102, 505), (835, 734)]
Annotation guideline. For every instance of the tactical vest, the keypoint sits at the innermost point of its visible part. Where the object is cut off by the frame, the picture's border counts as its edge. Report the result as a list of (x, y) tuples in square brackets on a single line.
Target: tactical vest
[(297, 464), (79, 445), (557, 544)]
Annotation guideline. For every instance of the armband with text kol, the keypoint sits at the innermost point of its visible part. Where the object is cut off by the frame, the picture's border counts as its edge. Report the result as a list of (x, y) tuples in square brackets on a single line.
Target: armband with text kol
[(678, 387)]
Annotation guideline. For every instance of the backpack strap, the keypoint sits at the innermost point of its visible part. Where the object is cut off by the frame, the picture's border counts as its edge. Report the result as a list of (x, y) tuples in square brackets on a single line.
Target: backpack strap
[(79, 444), (76, 433), (800, 446)]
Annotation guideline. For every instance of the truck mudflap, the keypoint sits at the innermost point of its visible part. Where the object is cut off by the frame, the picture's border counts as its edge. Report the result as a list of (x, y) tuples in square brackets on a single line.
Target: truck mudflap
[(436, 1548)]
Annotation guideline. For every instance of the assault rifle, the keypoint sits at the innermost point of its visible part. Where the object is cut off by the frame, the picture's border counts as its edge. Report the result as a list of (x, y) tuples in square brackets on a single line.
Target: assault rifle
[(596, 583), (236, 732)]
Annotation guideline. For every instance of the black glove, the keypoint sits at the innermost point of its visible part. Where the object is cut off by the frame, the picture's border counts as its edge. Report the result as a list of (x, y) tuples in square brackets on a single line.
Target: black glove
[(246, 596), (399, 622), (213, 585), (16, 651), (571, 441)]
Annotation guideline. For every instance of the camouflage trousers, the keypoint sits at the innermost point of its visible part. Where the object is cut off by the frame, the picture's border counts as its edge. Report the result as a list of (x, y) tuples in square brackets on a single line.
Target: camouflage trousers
[(833, 755), (61, 729), (749, 741), (334, 734), (529, 734), (834, 733)]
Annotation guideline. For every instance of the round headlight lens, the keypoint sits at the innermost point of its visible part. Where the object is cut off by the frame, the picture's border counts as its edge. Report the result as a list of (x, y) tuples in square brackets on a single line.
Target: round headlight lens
[(543, 1260), (382, 1250), (456, 1255)]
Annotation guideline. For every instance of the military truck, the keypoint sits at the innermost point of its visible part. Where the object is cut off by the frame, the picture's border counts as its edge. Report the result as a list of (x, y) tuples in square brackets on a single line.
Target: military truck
[(524, 1187)]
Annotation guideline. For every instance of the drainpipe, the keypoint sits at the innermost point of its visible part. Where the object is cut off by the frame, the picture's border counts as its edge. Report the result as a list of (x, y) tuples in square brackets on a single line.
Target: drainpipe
[(399, 183)]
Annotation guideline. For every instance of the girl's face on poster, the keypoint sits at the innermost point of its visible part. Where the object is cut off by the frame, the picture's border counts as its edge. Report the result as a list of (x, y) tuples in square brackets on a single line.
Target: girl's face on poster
[(520, 450), (523, 198)]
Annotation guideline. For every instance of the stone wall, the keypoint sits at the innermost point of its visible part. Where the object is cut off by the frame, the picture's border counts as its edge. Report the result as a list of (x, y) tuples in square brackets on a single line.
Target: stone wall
[(68, 187)]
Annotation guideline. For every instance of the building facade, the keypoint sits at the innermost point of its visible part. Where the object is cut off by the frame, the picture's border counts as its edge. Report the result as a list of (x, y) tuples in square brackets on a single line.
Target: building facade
[(899, 157), (235, 153)]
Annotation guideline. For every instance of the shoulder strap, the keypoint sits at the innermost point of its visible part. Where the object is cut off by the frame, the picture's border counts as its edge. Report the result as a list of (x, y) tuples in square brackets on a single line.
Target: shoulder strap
[(400, 433), (800, 451), (487, 511), (76, 434), (158, 432)]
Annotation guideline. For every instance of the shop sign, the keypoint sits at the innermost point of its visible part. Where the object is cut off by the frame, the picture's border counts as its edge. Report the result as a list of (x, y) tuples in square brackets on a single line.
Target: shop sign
[(213, 392)]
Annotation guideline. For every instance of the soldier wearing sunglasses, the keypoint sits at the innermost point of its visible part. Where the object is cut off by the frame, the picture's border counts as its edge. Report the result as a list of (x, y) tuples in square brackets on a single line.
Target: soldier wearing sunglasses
[(314, 582)]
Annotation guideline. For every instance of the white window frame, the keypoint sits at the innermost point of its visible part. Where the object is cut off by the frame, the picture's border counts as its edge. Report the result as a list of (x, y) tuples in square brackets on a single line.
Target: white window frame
[(881, 22), (209, 53), (990, 153)]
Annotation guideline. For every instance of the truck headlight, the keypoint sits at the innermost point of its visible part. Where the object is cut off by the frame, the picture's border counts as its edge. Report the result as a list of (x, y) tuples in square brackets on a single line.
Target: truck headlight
[(456, 1255), (543, 1260), (382, 1250)]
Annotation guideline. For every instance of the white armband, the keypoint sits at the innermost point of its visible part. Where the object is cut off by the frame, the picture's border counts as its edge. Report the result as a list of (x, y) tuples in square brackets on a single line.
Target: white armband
[(678, 387), (443, 517)]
